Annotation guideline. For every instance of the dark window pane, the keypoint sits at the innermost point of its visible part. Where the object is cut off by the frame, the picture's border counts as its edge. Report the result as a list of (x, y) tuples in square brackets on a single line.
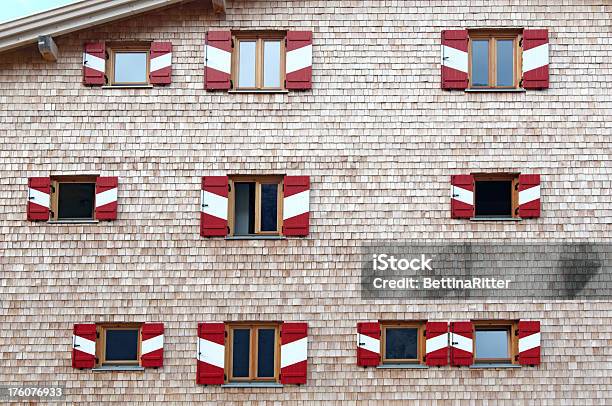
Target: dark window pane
[(494, 198), (492, 344), (76, 200), (505, 62), (265, 353), (244, 222), (240, 353), (269, 198), (480, 63), (131, 67), (122, 345), (401, 343)]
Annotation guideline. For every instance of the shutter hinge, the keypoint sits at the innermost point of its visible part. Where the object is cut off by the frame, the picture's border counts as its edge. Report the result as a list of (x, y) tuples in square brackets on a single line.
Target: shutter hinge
[(229, 187), (285, 83), (51, 213), (455, 195), (106, 55), (228, 231), (105, 79), (97, 360), (521, 83), (232, 40), (516, 212), (516, 357), (285, 43), (516, 333), (424, 333), (97, 335), (516, 186), (521, 42), (52, 189), (225, 333), (231, 84), (224, 377)]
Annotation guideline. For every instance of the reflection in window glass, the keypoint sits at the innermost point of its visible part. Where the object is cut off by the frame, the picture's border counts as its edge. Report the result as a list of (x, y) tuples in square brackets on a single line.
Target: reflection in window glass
[(480, 63), (246, 70), (121, 345), (272, 63), (241, 348), (131, 67), (265, 355), (505, 62), (401, 343), (492, 344), (269, 197)]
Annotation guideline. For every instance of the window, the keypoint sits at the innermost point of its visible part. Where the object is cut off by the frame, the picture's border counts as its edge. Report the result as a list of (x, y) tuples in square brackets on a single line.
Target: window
[(253, 352), (495, 195), (494, 59), (403, 342), (129, 65), (73, 197), (258, 61), (118, 344), (495, 342), (255, 204)]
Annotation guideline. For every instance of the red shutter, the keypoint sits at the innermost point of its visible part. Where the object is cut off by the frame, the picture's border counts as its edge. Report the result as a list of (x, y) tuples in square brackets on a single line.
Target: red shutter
[(211, 354), (462, 196), (84, 346), (294, 353), (218, 55), (529, 342), (529, 196), (462, 343), (436, 343), (454, 59), (39, 198), (160, 62), (94, 64), (214, 206), (296, 205), (368, 344), (535, 59), (298, 60), (106, 198), (152, 345)]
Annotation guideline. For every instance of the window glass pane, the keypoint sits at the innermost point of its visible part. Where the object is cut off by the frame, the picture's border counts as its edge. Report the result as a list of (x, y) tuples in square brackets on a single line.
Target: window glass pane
[(401, 343), (269, 198), (121, 345), (76, 200), (241, 348), (480, 63), (272, 63), (505, 62), (244, 211), (265, 352), (131, 67), (246, 70), (492, 344), (494, 198)]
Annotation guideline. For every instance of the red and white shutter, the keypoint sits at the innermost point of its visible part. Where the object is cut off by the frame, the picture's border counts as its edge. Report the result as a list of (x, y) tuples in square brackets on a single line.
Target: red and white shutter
[(211, 354), (529, 342), (294, 353), (296, 205), (368, 344), (94, 63), (152, 345), (39, 197), (461, 343), (454, 59), (160, 63), (218, 60), (106, 198), (84, 346), (214, 206), (298, 61), (436, 343), (462, 196), (529, 196), (535, 59)]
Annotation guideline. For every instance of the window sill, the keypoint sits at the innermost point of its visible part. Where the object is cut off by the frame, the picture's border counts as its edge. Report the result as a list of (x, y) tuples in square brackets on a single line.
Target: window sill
[(128, 87), (402, 366), (264, 91), (495, 366), (495, 219), (252, 385), (521, 90), (111, 368), (73, 221), (256, 237)]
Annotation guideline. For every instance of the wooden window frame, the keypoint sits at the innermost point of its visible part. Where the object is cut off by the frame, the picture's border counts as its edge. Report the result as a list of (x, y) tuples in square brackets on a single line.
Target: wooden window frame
[(101, 330), (513, 177), (511, 326), (55, 191), (419, 325), (259, 38), (253, 351), (258, 180), (492, 36), (114, 49)]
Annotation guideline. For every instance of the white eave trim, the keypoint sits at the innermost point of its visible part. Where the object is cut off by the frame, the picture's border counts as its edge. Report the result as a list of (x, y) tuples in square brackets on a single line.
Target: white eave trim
[(73, 17)]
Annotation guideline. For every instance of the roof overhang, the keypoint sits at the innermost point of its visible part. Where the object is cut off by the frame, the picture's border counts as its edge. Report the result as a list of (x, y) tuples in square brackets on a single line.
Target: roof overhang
[(77, 16)]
